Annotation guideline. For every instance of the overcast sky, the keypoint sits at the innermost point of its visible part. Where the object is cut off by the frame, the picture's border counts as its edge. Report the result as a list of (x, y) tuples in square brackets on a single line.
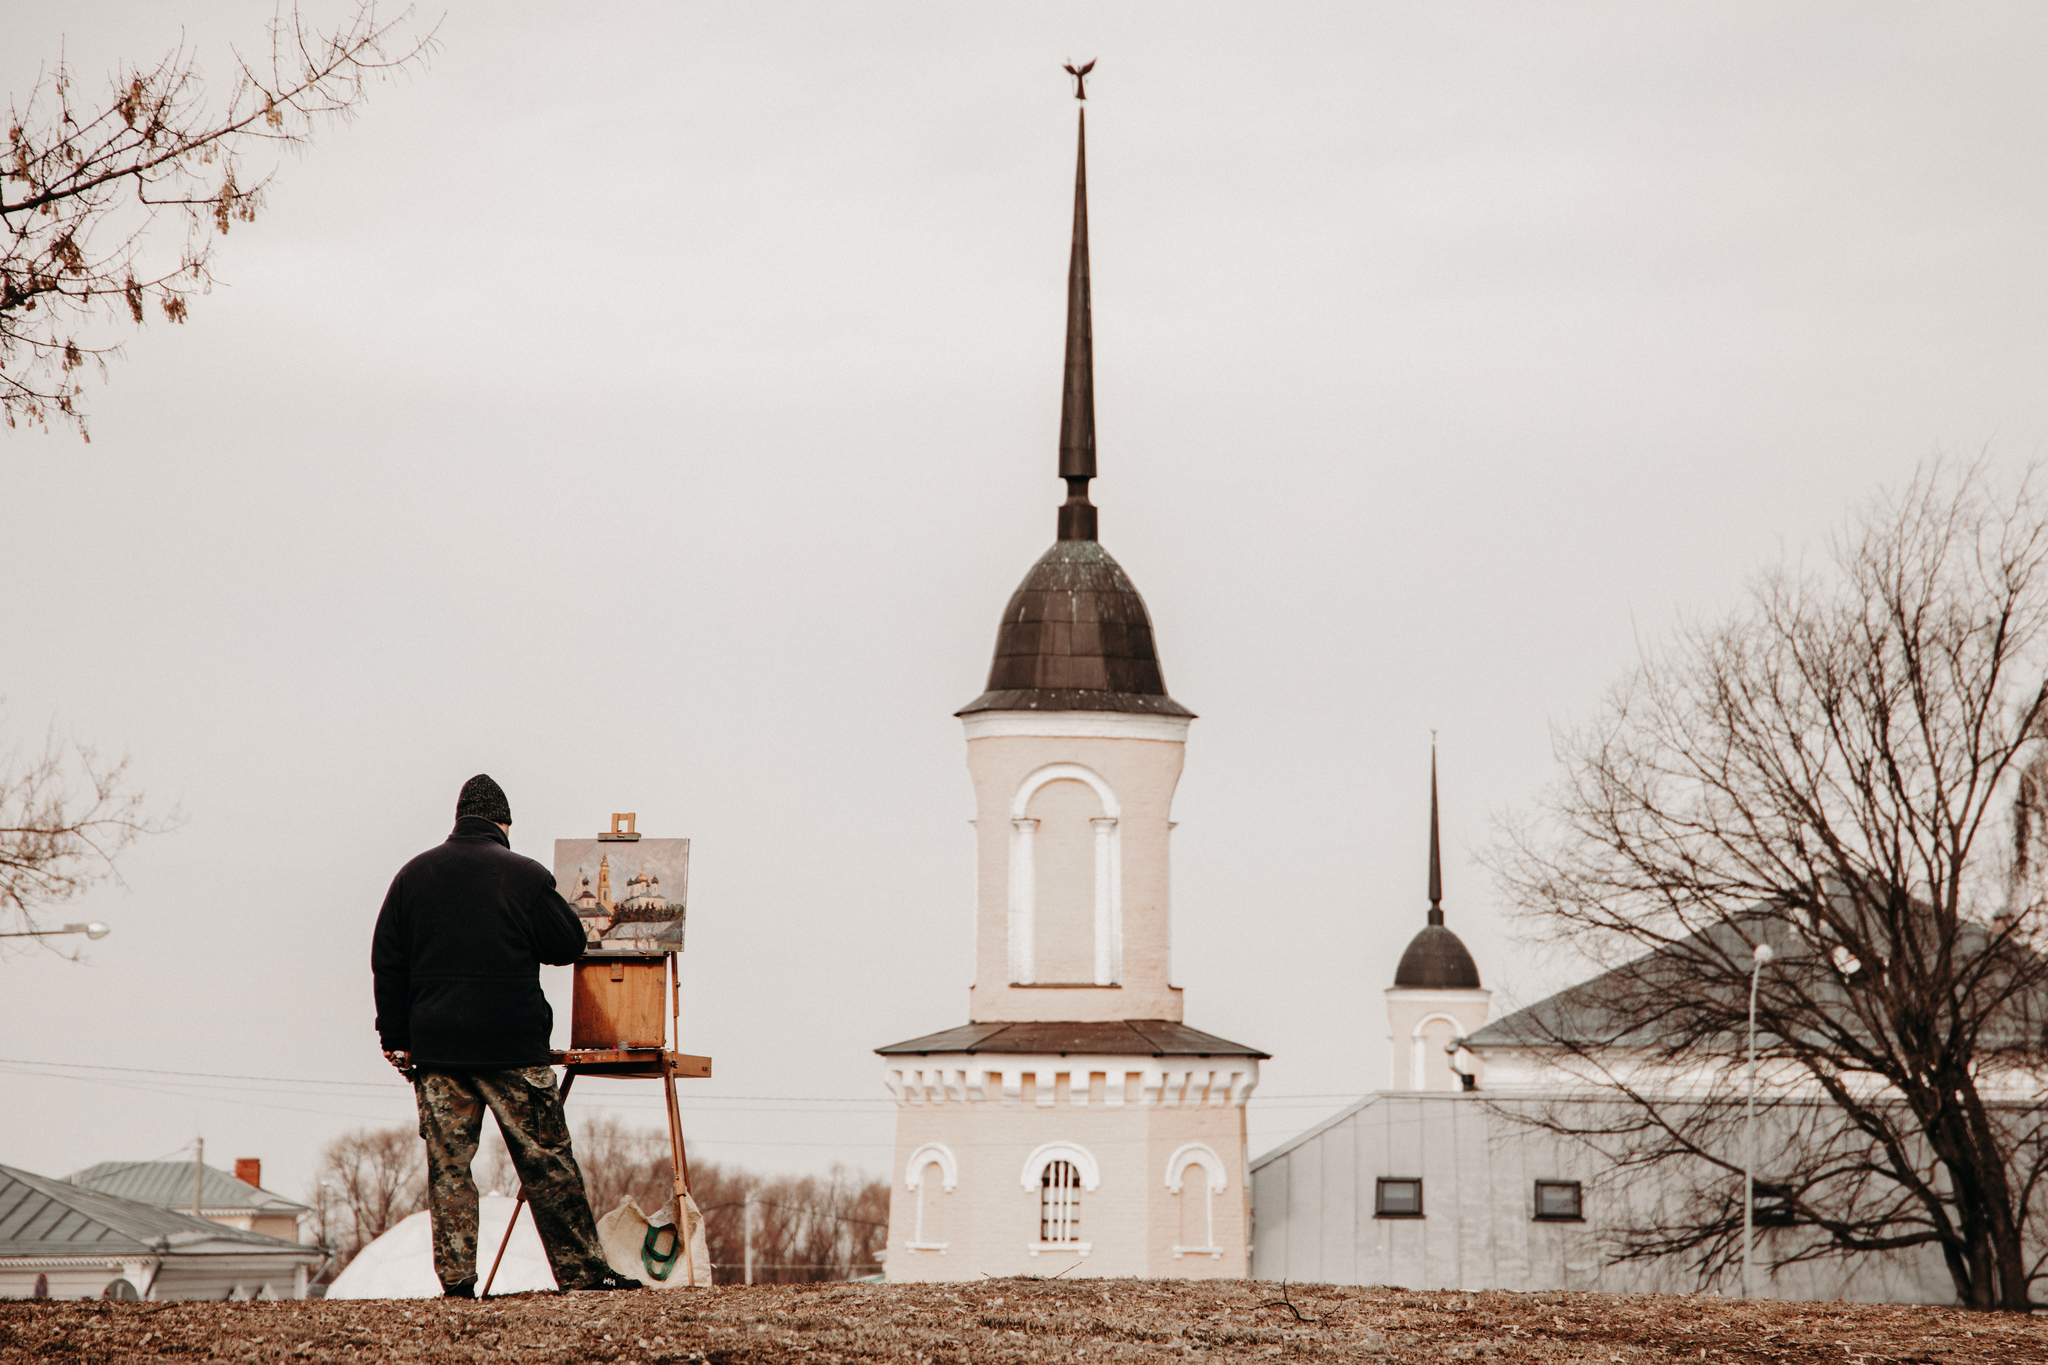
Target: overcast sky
[(653, 407)]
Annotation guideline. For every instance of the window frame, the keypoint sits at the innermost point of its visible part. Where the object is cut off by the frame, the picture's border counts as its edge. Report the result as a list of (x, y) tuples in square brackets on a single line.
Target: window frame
[(1070, 1207), (1578, 1213), (1379, 1196), (1771, 1206)]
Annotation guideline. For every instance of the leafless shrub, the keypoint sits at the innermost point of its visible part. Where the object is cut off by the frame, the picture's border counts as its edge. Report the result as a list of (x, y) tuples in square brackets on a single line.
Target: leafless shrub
[(64, 819)]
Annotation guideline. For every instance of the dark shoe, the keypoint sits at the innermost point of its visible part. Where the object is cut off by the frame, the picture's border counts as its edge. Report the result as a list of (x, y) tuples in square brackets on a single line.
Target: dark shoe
[(464, 1290), (612, 1282)]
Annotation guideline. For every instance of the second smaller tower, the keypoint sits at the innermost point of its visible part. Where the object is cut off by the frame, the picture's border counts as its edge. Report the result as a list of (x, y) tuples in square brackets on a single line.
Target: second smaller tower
[(1436, 997)]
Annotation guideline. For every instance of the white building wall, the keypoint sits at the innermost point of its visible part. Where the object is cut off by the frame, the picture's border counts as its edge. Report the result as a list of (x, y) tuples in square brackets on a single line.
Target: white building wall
[(986, 1115), (1313, 1205)]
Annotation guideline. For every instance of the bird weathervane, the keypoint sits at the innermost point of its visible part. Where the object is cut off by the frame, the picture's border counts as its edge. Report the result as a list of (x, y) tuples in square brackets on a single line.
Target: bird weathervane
[(1080, 75)]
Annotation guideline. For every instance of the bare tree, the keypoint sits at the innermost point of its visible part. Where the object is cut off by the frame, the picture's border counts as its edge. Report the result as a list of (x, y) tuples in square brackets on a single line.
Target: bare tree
[(1829, 770), (806, 1228), (65, 816), (368, 1181), (84, 183), (617, 1161)]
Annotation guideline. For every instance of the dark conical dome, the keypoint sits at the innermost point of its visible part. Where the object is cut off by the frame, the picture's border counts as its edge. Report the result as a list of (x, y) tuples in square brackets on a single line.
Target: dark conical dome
[(1436, 960), (1076, 637)]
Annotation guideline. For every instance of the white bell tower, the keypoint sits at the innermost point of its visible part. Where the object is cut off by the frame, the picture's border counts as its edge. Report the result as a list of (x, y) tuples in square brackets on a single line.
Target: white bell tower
[(1075, 1125)]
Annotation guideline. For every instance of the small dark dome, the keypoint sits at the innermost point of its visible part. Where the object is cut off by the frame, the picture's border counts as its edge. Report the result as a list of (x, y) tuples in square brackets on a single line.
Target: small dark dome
[(1436, 960), (1076, 637)]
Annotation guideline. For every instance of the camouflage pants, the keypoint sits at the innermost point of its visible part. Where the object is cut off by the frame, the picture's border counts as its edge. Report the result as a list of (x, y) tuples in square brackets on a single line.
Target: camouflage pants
[(529, 1113)]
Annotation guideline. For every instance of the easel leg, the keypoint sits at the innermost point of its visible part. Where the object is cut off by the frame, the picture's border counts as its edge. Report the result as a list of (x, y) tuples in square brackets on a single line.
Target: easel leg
[(568, 1079), (679, 1163), (677, 1160)]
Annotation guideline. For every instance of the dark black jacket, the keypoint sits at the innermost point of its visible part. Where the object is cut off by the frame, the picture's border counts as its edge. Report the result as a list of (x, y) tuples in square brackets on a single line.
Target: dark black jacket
[(458, 950)]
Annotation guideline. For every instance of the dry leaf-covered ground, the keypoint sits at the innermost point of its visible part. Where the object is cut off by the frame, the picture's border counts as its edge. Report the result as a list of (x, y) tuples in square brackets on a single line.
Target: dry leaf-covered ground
[(1020, 1321)]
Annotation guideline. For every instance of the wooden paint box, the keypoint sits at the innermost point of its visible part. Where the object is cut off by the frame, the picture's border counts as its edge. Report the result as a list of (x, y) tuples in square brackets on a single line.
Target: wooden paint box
[(620, 1002)]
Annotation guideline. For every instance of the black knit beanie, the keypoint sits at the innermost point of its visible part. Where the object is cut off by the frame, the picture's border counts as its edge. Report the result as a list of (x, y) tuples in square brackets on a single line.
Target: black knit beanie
[(481, 796)]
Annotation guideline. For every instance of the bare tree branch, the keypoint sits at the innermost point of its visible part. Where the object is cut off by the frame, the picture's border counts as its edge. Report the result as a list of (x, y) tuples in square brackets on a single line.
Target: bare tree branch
[(65, 817), (84, 188)]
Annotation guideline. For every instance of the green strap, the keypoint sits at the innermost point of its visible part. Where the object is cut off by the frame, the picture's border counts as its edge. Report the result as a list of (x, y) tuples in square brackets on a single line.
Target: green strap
[(657, 1264)]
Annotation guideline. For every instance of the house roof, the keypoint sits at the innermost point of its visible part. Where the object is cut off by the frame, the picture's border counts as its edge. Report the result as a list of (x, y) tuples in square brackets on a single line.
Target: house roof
[(169, 1184), (1110, 1038), (42, 1216), (1609, 1009), (1594, 1011)]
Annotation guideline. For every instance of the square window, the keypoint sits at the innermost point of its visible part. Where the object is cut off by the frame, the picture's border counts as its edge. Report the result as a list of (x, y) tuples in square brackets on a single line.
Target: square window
[(1399, 1198), (1559, 1201), (1773, 1208)]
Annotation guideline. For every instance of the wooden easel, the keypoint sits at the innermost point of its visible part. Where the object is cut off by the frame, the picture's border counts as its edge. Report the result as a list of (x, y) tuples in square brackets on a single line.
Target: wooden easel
[(614, 1032)]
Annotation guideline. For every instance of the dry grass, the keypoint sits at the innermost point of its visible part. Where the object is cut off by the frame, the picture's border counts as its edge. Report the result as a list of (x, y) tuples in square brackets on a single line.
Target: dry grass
[(1019, 1321)]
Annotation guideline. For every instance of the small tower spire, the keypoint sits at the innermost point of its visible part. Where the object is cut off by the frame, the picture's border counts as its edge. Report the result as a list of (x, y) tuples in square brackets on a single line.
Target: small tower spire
[(1436, 857), (1077, 400)]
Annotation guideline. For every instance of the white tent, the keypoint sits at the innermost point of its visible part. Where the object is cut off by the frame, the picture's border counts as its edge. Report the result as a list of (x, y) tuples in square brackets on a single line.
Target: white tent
[(400, 1264)]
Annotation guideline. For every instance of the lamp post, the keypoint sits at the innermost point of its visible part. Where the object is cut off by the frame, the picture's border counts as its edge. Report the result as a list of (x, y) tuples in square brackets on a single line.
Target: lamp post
[(1762, 955), (747, 1223), (92, 930)]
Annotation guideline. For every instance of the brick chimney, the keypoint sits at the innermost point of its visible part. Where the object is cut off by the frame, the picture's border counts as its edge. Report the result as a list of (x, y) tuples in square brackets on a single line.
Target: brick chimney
[(249, 1170)]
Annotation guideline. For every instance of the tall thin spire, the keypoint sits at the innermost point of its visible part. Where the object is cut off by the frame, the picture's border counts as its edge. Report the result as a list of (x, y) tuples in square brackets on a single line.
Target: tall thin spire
[(1436, 857), (1077, 401)]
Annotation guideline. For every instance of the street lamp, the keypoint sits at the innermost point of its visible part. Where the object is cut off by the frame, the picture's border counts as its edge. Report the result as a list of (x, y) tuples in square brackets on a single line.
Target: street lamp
[(93, 930), (1762, 955)]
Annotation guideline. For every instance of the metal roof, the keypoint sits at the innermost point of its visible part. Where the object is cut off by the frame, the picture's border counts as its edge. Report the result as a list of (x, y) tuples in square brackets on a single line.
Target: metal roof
[(1628, 1005), (1076, 637), (41, 1216), (169, 1183), (1437, 959), (1111, 1038)]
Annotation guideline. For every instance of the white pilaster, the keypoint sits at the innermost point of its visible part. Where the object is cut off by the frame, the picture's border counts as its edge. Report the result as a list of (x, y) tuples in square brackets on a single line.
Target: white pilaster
[(1108, 903), (1022, 895)]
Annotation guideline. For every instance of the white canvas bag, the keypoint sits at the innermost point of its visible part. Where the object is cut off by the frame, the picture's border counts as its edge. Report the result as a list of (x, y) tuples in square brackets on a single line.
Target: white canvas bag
[(666, 1251)]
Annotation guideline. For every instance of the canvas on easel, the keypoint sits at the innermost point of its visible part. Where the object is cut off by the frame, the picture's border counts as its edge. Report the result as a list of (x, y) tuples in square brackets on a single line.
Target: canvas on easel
[(629, 894)]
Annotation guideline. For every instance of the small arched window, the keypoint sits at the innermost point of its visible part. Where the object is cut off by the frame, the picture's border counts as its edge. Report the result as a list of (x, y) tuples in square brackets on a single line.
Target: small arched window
[(931, 1232), (1059, 1203), (1197, 1211)]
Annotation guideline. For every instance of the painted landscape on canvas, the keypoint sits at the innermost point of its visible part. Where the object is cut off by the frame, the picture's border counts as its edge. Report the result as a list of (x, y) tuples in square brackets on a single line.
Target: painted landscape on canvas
[(629, 894)]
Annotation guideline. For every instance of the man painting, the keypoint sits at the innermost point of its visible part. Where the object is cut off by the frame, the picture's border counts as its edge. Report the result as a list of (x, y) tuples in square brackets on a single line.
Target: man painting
[(456, 958)]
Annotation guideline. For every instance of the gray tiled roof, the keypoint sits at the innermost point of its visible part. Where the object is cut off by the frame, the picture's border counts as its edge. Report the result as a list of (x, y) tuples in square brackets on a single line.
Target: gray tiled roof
[(1623, 1007), (40, 1216), (1110, 1038), (169, 1183)]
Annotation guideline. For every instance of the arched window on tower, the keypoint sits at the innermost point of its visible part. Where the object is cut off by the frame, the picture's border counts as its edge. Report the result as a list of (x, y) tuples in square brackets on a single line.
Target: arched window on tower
[(1064, 880), (1066, 899), (1197, 1211), (1197, 1177), (930, 1176), (931, 1209), (1059, 1203), (1432, 1064)]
